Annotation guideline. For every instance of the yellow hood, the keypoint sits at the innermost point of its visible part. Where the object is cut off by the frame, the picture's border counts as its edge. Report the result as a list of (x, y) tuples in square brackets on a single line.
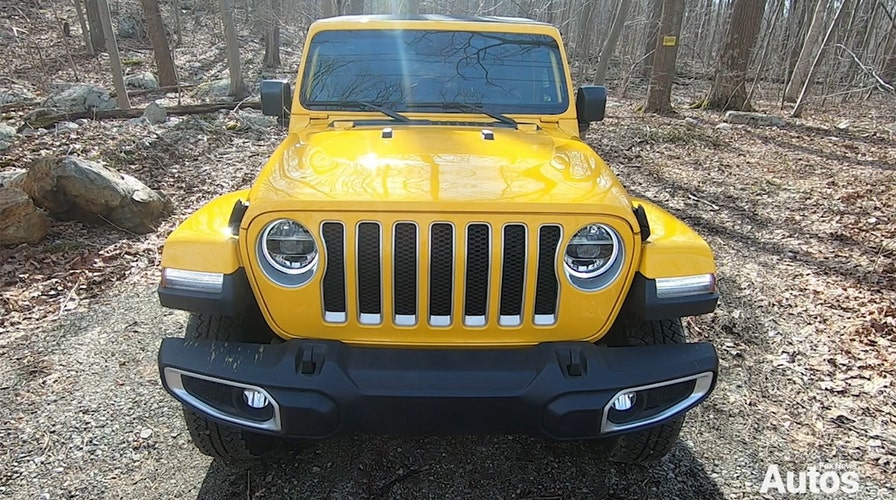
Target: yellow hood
[(437, 168)]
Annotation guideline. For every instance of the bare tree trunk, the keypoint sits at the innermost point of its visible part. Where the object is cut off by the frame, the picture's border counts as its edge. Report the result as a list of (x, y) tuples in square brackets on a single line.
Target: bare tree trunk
[(355, 7), (804, 93), (408, 7), (97, 37), (327, 9), (659, 92), (729, 88), (807, 53), (155, 28), (237, 87), (612, 39), (84, 31), (653, 26), (114, 59), (272, 34), (178, 25)]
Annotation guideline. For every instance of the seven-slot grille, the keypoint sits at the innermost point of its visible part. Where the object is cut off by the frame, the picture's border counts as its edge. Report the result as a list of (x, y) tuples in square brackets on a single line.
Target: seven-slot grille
[(454, 264)]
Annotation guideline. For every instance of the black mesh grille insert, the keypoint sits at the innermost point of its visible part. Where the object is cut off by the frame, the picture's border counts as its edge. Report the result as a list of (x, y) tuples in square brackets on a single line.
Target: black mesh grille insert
[(404, 274), (334, 276), (513, 270), (369, 296), (546, 283), (477, 275), (441, 269)]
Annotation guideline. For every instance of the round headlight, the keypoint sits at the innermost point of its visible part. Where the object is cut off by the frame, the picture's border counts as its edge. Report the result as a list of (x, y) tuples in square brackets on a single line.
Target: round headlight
[(289, 247), (591, 251)]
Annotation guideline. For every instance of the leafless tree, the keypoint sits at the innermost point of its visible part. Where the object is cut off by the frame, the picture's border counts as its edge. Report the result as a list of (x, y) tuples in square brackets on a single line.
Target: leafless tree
[(121, 91), (729, 87), (659, 92), (237, 87), (612, 39), (155, 28)]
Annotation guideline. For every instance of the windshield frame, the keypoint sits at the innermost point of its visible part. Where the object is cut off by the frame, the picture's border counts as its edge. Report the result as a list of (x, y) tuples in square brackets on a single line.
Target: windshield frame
[(561, 74)]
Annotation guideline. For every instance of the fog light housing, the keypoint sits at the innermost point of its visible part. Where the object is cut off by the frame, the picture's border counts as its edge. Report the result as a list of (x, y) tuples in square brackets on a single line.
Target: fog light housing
[(624, 401), (255, 398)]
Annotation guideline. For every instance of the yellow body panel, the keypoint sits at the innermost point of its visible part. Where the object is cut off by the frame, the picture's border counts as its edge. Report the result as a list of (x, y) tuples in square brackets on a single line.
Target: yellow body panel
[(673, 249), (203, 242), (331, 169), (297, 312)]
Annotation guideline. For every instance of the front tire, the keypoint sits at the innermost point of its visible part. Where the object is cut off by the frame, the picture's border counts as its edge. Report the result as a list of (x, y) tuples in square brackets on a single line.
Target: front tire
[(212, 438), (648, 445)]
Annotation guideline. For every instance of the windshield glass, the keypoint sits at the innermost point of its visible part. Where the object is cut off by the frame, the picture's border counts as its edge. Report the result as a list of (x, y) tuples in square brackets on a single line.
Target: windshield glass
[(413, 69)]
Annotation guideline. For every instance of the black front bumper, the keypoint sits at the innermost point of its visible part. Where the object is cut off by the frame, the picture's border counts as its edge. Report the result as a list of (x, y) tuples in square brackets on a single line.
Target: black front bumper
[(321, 388)]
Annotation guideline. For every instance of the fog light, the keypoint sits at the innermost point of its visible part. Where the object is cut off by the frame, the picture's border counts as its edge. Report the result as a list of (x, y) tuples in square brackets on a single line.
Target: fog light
[(254, 398), (624, 401)]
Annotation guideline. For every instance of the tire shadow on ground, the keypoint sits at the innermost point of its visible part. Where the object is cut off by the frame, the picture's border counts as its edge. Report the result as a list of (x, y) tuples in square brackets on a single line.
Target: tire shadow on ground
[(456, 467)]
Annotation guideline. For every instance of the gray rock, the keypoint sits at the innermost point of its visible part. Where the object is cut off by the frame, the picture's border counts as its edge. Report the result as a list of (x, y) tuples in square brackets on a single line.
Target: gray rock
[(155, 113), (145, 80), (81, 122), (20, 221), (66, 126), (72, 188), (9, 96), (7, 136), (723, 126), (215, 89), (12, 178), (129, 27), (80, 98), (140, 120), (759, 119), (255, 120)]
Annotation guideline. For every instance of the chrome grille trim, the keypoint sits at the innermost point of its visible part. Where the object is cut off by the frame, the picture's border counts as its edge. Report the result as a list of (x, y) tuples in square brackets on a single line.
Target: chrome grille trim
[(547, 283), (369, 273), (405, 284), (477, 273), (441, 320), (498, 295), (507, 300), (333, 290)]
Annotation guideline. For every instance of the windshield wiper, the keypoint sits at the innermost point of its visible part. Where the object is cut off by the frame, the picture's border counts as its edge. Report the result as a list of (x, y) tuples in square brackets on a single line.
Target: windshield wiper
[(364, 104), (465, 106)]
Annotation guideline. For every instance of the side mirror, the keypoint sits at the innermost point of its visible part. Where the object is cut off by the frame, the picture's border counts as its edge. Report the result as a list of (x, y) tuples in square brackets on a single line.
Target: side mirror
[(276, 98), (591, 104)]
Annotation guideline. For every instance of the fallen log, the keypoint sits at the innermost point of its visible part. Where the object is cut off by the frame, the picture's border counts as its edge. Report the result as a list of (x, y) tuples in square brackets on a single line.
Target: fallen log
[(11, 106), (41, 120), (157, 90)]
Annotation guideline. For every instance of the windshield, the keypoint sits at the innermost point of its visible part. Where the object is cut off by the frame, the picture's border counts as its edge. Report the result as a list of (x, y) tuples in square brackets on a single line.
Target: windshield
[(421, 69)]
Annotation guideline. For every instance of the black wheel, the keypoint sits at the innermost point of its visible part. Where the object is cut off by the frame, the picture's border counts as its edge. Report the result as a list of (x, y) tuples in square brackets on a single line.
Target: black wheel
[(651, 444), (214, 439)]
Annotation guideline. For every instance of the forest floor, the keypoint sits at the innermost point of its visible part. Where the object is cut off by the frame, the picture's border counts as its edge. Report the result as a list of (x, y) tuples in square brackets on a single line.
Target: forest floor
[(800, 217)]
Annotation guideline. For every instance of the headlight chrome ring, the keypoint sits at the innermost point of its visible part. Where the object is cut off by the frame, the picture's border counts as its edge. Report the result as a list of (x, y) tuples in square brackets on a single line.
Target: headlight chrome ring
[(288, 252), (593, 257)]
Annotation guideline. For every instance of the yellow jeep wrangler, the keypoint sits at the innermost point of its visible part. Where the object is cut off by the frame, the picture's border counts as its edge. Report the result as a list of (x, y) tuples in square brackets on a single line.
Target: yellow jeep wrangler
[(434, 249)]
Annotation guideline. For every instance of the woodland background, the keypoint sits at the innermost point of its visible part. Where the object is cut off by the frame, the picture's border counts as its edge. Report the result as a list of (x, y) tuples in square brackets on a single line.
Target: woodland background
[(798, 209)]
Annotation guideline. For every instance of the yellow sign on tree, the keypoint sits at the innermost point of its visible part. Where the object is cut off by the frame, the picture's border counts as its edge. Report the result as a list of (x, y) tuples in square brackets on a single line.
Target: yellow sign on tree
[(670, 41)]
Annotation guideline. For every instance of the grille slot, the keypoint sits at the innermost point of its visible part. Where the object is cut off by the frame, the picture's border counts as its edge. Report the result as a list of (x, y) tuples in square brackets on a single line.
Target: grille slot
[(513, 275), (547, 285), (477, 275), (404, 273), (333, 285), (441, 273), (369, 264)]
